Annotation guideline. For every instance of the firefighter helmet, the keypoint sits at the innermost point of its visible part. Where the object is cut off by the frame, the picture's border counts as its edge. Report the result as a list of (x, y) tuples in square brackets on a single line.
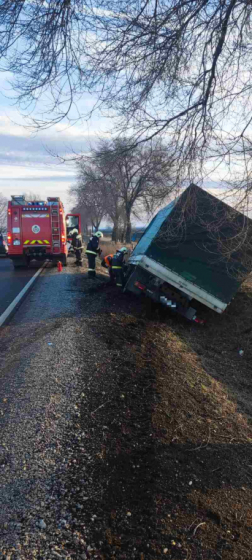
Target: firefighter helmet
[(99, 234), (123, 250), (73, 231)]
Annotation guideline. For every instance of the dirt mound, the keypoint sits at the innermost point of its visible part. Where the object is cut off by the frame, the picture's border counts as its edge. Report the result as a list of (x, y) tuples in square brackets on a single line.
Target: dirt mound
[(169, 470)]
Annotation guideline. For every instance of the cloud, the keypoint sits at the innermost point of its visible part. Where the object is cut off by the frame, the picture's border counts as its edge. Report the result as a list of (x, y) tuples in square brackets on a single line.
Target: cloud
[(43, 187), (50, 178), (20, 147), (26, 160)]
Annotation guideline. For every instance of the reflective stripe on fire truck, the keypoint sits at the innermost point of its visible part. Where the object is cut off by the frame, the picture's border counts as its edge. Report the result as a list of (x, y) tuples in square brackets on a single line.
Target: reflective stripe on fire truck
[(44, 242), (37, 215)]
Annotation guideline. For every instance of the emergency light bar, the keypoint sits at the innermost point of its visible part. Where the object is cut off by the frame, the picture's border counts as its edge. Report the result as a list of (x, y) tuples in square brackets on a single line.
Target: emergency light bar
[(30, 209)]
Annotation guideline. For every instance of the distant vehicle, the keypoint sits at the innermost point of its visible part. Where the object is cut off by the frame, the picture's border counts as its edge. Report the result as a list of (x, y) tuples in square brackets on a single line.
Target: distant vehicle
[(180, 266), (37, 230), (3, 247)]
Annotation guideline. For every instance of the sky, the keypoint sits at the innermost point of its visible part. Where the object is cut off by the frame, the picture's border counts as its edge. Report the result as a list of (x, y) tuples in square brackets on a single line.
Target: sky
[(26, 160)]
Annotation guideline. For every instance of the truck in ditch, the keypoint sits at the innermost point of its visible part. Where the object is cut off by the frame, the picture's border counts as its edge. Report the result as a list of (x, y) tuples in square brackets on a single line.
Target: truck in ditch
[(196, 249)]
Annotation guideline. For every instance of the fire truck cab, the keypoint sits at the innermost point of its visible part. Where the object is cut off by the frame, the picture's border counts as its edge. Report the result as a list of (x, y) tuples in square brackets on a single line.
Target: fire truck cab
[(36, 231), (73, 221)]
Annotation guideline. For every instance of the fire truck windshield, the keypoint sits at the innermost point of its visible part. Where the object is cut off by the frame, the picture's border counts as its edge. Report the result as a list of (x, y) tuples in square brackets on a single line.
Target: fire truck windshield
[(71, 223)]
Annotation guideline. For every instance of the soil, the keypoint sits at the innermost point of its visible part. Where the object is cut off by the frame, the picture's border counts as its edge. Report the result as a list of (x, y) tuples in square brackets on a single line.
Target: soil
[(163, 424), (161, 457)]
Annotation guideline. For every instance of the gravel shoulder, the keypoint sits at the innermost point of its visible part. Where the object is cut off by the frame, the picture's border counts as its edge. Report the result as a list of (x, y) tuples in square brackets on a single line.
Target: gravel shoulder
[(40, 364), (123, 432)]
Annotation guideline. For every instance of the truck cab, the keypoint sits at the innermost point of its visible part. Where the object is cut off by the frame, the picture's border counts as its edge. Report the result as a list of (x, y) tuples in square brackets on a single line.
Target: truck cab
[(73, 221)]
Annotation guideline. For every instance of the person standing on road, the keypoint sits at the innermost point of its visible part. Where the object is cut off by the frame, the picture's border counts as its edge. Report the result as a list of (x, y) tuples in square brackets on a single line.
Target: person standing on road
[(92, 251), (118, 266)]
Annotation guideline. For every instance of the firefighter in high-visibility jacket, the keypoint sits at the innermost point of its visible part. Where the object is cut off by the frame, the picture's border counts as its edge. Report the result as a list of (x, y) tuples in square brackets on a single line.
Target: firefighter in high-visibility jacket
[(77, 245), (118, 266), (92, 251), (107, 263)]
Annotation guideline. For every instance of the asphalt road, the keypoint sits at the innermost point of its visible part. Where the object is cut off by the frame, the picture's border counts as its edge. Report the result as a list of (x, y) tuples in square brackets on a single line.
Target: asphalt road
[(12, 281), (39, 364)]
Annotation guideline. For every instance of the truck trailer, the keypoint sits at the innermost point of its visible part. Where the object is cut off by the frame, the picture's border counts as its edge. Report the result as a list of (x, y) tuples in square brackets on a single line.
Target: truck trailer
[(196, 249), (37, 230)]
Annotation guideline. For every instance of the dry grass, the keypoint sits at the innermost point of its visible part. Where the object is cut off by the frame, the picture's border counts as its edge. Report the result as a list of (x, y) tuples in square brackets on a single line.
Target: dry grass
[(178, 448), (185, 387), (110, 247)]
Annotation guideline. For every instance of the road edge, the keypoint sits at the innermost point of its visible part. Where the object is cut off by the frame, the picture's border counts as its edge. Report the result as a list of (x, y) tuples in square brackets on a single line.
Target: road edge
[(7, 314)]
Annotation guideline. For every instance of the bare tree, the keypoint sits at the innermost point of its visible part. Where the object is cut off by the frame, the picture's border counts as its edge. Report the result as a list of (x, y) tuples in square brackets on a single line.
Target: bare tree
[(90, 193), (114, 208), (111, 178), (3, 213), (116, 180), (144, 174), (97, 192), (31, 196)]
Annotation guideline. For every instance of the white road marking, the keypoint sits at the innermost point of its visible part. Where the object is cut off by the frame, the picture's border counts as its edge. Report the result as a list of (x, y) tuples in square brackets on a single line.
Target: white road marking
[(5, 315)]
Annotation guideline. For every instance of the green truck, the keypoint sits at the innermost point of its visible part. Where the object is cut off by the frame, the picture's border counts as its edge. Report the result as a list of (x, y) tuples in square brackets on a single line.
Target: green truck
[(196, 249)]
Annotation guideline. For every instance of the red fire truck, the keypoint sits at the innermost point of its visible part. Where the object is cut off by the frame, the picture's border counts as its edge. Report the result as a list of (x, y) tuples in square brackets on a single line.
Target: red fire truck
[(37, 230)]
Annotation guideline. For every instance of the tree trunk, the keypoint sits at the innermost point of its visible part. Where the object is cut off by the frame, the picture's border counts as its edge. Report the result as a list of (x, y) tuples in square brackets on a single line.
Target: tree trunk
[(95, 225), (128, 229), (115, 232), (123, 231)]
